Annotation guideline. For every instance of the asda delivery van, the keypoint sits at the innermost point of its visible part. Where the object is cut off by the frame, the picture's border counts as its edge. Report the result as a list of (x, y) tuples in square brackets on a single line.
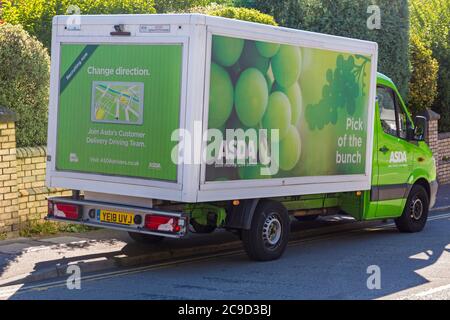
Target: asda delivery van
[(161, 124)]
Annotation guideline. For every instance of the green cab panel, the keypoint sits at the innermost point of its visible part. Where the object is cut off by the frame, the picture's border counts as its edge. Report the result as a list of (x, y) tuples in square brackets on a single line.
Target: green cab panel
[(398, 162)]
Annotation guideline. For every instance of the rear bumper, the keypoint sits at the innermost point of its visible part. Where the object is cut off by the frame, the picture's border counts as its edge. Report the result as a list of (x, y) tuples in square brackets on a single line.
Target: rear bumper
[(88, 219), (433, 192)]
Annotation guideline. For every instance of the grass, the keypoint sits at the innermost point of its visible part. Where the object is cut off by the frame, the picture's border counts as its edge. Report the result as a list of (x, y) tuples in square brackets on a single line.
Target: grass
[(44, 228), (3, 235)]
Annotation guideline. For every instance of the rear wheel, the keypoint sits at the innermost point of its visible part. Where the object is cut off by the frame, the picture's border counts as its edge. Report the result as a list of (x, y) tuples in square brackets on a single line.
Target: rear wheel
[(415, 214), (145, 238), (269, 232)]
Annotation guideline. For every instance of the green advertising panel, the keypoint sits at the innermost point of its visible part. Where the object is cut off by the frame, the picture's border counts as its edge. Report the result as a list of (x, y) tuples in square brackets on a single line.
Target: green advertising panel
[(118, 106), (317, 101)]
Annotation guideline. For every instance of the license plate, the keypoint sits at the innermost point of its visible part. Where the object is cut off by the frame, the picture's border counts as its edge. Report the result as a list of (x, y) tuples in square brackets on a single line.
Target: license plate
[(116, 217)]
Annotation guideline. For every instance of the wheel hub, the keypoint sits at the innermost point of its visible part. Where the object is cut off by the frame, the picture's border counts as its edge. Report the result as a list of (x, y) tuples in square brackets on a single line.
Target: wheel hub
[(416, 209), (272, 230)]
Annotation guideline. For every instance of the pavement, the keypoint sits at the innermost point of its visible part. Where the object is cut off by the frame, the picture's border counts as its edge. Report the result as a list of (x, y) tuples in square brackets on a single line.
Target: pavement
[(35, 260)]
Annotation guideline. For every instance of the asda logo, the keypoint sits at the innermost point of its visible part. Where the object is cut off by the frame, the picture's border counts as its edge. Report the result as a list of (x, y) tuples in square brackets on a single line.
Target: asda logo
[(398, 157)]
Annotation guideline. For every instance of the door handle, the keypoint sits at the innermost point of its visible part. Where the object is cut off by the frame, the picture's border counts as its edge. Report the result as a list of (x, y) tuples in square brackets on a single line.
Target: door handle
[(384, 149)]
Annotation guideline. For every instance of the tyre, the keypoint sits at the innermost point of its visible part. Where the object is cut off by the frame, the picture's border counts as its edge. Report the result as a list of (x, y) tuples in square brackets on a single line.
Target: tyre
[(268, 235), (307, 218), (201, 228), (145, 238), (415, 214)]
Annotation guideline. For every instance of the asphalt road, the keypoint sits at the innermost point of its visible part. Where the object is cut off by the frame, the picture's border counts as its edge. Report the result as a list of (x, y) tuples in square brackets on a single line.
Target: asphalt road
[(411, 266)]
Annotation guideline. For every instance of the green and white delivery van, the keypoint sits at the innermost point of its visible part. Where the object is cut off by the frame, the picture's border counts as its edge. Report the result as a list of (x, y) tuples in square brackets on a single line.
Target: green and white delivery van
[(168, 124)]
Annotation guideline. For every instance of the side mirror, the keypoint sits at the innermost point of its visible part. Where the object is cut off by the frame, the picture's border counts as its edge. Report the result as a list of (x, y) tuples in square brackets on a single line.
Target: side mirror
[(420, 128)]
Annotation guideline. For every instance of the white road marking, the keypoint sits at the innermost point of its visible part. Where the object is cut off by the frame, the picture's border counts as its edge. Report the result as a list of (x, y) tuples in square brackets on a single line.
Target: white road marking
[(433, 291)]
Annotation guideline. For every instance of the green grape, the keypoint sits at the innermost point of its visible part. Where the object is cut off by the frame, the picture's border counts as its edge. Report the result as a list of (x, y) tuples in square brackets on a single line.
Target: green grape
[(290, 149), (251, 96), (286, 65), (267, 49), (294, 94), (278, 113), (250, 57), (220, 97), (226, 50)]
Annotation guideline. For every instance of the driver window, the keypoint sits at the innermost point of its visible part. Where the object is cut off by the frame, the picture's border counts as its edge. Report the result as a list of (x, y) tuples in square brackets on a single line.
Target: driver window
[(386, 104)]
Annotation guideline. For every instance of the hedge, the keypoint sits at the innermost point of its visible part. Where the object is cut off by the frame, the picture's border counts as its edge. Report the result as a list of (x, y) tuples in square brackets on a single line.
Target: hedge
[(423, 84), (24, 83), (245, 14), (164, 6), (348, 18), (36, 15), (430, 20)]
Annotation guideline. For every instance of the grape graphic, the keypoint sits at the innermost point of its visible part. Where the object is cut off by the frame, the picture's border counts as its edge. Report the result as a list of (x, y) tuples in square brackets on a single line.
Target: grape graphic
[(286, 65), (221, 97), (251, 172), (267, 49), (290, 149), (251, 96), (250, 57), (278, 114), (225, 50), (294, 94), (341, 91)]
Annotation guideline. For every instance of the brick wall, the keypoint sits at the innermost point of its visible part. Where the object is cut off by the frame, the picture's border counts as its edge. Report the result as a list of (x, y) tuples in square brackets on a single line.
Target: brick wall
[(22, 180), (443, 158), (31, 187), (9, 215), (440, 145)]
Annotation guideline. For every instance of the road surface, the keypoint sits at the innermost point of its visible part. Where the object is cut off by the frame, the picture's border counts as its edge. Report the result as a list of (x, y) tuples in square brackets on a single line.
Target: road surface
[(335, 266)]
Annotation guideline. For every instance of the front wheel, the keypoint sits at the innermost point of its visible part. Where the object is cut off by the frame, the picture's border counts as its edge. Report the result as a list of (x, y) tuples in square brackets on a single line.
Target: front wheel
[(268, 235), (415, 214)]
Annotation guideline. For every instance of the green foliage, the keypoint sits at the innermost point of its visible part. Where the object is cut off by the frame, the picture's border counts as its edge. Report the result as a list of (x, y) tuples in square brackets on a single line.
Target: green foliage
[(246, 14), (349, 18), (45, 228), (163, 6), (24, 83), (423, 84), (430, 21), (36, 15)]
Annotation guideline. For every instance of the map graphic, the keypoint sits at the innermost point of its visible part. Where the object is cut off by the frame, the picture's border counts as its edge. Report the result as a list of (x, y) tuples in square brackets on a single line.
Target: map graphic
[(117, 102)]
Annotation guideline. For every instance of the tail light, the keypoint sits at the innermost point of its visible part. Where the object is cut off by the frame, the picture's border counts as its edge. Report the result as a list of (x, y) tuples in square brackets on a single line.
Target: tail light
[(164, 223), (64, 210)]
